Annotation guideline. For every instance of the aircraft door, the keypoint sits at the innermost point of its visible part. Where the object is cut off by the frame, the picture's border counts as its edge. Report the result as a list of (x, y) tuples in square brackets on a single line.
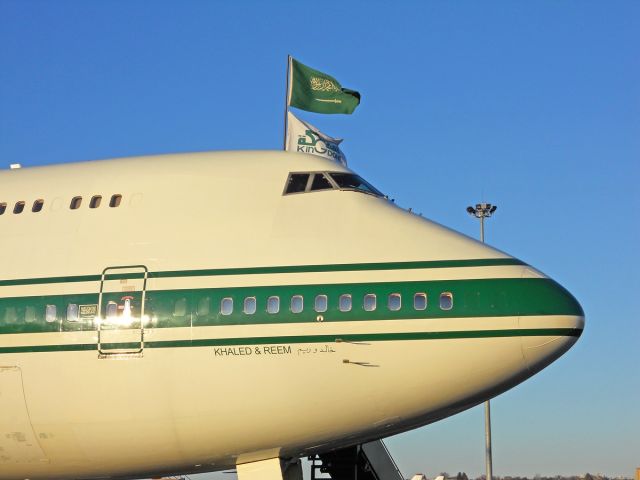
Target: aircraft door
[(121, 307)]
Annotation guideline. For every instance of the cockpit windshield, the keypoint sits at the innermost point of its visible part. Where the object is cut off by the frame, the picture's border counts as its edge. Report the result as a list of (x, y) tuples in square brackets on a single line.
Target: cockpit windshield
[(349, 181), (304, 182)]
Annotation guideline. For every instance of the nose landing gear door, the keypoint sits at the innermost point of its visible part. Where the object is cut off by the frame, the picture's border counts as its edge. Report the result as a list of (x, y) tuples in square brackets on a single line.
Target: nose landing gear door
[(121, 319)]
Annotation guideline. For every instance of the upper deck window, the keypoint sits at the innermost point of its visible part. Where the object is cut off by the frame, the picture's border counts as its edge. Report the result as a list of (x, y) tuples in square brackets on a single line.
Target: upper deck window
[(350, 181), (95, 201), (75, 203), (115, 200), (3, 207)]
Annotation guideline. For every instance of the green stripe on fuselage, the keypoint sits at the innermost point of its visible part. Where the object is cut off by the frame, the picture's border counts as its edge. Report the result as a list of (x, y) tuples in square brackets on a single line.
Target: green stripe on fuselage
[(340, 267), (302, 339), (471, 298)]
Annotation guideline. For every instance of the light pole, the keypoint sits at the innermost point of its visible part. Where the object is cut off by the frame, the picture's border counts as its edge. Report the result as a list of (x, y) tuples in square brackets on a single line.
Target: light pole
[(482, 211)]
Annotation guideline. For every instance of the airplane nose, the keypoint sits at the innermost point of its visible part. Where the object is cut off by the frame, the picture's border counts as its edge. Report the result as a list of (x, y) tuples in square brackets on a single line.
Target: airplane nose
[(553, 326)]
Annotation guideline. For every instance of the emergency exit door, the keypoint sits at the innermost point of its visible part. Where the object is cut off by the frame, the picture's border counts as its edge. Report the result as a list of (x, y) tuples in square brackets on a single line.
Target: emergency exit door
[(121, 318)]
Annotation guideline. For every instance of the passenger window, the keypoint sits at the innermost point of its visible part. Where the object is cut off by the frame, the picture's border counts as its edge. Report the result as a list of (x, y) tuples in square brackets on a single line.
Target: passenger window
[(446, 301), (249, 305), (345, 303), (10, 315), (273, 304), (72, 312), (180, 308), (226, 306), (3, 208), (112, 310), (37, 205), (30, 314), (420, 301), (19, 207), (297, 182), (95, 201), (50, 313), (395, 302), (369, 303), (115, 201), (75, 203), (320, 304), (297, 304), (320, 182), (204, 307)]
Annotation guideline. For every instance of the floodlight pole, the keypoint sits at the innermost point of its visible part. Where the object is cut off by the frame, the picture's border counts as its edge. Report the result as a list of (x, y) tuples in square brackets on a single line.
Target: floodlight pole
[(482, 211)]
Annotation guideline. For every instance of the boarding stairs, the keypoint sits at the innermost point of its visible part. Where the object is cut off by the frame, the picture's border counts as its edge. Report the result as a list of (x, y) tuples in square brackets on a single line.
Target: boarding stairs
[(368, 461)]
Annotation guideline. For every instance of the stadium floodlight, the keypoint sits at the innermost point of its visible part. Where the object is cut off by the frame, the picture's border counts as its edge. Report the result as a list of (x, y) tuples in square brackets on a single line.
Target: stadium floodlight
[(482, 211)]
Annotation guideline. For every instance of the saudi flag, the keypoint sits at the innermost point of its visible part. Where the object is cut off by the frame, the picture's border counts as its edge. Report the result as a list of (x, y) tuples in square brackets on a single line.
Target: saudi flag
[(305, 138), (318, 92)]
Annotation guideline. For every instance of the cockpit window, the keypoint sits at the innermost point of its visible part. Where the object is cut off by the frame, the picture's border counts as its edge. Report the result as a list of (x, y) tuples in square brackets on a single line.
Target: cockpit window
[(349, 181), (316, 181), (297, 182), (320, 182)]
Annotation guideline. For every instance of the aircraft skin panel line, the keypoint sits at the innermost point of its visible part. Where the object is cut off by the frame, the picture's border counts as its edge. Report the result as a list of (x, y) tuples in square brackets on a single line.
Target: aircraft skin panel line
[(200, 358)]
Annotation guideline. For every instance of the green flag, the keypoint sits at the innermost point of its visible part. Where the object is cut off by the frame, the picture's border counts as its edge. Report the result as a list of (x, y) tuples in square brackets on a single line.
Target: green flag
[(318, 92)]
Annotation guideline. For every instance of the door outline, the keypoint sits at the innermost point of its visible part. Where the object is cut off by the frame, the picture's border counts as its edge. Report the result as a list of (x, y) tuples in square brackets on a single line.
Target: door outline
[(116, 272)]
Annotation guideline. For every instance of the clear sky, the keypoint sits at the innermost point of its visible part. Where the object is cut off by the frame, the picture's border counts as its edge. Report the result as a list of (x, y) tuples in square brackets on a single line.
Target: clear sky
[(534, 106)]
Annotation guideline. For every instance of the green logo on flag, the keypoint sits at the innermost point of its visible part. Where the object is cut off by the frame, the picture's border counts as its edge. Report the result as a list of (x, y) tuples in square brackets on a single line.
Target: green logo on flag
[(318, 92)]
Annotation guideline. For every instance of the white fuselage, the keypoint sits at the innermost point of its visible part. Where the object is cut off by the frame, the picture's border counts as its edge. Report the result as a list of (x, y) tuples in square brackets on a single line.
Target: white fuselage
[(177, 385)]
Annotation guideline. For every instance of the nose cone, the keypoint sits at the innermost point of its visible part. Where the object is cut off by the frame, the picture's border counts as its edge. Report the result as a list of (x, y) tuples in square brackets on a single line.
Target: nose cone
[(553, 323)]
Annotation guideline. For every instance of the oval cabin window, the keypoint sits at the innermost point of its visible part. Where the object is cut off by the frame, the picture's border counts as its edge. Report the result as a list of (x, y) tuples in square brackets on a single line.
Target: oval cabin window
[(420, 301), (50, 314), (369, 303), (249, 305), (446, 301), (297, 304), (226, 306), (395, 302), (345, 303), (320, 303), (273, 305), (204, 305)]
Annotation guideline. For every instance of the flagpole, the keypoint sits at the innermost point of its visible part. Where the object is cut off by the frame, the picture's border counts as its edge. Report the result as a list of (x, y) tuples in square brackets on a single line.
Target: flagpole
[(286, 104)]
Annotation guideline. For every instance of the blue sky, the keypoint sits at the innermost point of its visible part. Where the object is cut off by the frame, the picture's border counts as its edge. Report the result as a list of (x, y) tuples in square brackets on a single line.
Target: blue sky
[(533, 106)]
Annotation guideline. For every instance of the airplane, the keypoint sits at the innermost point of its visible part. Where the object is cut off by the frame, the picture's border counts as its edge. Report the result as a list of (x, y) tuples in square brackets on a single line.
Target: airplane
[(188, 313)]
